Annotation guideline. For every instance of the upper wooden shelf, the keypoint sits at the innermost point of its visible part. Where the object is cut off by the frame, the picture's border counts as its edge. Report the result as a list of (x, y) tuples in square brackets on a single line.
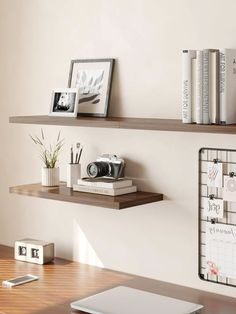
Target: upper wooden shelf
[(126, 123), (62, 193)]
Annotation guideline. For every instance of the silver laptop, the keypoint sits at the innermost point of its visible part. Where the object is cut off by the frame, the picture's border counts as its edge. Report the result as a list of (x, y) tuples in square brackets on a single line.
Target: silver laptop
[(124, 300)]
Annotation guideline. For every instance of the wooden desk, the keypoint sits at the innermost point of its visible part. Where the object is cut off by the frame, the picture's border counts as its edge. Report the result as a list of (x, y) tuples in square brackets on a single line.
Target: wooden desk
[(63, 281)]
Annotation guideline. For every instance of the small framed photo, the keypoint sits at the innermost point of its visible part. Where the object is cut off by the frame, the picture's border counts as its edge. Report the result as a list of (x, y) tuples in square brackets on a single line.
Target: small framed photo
[(64, 102), (93, 78)]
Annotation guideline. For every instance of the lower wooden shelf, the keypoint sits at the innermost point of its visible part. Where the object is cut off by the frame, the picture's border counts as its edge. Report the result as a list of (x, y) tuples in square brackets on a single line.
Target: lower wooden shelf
[(62, 193)]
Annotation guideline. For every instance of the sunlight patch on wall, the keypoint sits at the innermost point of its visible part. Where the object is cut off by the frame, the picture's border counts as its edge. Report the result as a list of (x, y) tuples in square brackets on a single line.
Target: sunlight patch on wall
[(83, 251)]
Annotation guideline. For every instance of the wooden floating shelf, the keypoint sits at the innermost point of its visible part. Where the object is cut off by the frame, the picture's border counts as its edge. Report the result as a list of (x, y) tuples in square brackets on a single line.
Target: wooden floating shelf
[(126, 123), (62, 193)]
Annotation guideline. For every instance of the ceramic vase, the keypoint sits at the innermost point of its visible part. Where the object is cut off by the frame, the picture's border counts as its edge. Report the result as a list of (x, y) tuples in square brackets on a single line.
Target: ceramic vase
[(50, 176)]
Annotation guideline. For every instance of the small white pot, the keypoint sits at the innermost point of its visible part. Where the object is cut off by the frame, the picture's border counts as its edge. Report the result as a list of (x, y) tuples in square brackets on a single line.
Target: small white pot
[(50, 176)]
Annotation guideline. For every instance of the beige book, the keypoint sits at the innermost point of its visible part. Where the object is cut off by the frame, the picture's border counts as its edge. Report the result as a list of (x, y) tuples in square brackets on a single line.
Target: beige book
[(214, 93)]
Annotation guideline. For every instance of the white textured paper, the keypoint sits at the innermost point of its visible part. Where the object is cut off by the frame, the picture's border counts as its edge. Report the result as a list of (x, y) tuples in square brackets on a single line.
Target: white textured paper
[(229, 192), (214, 174), (221, 249), (213, 208)]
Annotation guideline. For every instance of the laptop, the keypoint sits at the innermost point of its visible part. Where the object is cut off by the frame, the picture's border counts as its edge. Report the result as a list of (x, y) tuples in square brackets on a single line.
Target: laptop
[(125, 300)]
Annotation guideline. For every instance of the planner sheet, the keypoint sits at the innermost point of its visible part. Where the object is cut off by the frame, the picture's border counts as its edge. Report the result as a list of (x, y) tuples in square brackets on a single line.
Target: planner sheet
[(221, 249)]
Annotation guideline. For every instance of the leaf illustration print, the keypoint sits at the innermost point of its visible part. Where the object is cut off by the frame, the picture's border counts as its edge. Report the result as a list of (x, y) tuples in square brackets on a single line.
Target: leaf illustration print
[(98, 79), (96, 101), (88, 99), (83, 78), (90, 82)]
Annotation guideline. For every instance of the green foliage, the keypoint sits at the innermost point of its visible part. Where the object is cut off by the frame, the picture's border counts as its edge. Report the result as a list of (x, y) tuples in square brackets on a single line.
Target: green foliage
[(50, 155)]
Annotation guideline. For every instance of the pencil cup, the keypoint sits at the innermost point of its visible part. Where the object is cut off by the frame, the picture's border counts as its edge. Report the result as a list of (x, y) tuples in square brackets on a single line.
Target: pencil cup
[(73, 174)]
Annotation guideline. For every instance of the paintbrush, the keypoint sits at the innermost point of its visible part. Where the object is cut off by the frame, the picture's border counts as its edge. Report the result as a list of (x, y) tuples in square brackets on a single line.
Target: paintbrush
[(80, 154), (77, 153), (71, 154)]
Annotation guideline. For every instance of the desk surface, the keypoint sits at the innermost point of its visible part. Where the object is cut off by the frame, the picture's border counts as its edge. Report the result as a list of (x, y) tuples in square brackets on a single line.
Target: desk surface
[(63, 281)]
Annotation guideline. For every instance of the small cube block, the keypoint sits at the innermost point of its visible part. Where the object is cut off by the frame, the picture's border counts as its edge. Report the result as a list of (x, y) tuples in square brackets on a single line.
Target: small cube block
[(34, 251)]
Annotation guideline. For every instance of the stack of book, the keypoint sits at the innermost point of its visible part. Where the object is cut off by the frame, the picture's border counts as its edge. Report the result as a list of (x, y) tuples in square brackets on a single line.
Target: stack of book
[(209, 86), (105, 186)]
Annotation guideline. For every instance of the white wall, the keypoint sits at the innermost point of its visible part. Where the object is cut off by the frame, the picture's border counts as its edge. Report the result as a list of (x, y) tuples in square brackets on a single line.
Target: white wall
[(38, 40)]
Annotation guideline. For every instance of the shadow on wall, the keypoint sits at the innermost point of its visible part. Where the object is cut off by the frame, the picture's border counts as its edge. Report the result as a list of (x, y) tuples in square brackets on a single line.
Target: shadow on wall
[(138, 172), (82, 249), (134, 169)]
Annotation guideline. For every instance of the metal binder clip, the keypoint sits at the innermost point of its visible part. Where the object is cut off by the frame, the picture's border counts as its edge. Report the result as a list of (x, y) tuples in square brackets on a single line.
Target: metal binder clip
[(213, 220), (215, 161), (231, 174), (211, 196)]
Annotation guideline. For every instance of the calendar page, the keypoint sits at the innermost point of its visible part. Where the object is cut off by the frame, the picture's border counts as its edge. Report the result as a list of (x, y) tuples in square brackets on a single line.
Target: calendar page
[(221, 249)]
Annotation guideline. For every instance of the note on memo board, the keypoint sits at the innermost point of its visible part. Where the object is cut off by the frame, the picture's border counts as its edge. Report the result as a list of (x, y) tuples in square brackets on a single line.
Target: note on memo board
[(221, 250), (213, 208), (229, 192), (214, 174)]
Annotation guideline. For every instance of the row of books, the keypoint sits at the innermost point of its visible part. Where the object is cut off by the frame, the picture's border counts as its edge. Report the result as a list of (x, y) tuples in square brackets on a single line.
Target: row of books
[(209, 86), (105, 186)]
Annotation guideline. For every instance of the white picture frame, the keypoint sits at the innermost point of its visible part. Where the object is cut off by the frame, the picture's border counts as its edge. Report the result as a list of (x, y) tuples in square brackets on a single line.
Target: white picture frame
[(64, 102)]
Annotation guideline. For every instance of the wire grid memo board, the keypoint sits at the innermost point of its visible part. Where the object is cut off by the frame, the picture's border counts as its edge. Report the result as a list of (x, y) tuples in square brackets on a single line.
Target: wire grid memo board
[(227, 157)]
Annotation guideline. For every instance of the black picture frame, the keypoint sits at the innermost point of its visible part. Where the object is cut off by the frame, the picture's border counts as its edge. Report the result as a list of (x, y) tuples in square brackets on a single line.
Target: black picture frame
[(85, 71)]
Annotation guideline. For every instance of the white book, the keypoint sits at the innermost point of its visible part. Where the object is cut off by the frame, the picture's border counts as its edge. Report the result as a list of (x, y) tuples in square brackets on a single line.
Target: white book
[(125, 300), (210, 80), (105, 182), (199, 79), (187, 56), (194, 89), (228, 86), (205, 91), (214, 87), (104, 191)]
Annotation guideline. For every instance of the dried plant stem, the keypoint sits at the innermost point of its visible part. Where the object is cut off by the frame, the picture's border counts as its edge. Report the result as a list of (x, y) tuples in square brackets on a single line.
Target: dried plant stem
[(49, 156)]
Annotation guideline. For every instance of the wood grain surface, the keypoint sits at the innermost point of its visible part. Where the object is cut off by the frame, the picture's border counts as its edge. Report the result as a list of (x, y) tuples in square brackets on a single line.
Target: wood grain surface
[(63, 282), (60, 283), (126, 123), (65, 194)]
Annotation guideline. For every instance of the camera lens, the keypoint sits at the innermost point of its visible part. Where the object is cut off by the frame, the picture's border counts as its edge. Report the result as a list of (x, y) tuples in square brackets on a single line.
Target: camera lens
[(98, 169)]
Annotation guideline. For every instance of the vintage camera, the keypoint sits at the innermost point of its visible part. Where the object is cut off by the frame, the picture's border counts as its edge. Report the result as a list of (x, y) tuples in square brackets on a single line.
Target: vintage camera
[(106, 165)]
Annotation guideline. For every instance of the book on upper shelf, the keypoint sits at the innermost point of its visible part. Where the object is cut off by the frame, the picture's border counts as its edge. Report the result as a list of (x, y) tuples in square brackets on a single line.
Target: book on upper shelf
[(214, 84), (193, 90), (199, 86), (105, 182), (209, 86), (228, 86), (105, 191), (210, 91), (187, 63)]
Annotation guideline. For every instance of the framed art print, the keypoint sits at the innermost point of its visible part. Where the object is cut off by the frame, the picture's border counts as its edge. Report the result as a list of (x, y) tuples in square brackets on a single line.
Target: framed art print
[(93, 78), (64, 102)]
